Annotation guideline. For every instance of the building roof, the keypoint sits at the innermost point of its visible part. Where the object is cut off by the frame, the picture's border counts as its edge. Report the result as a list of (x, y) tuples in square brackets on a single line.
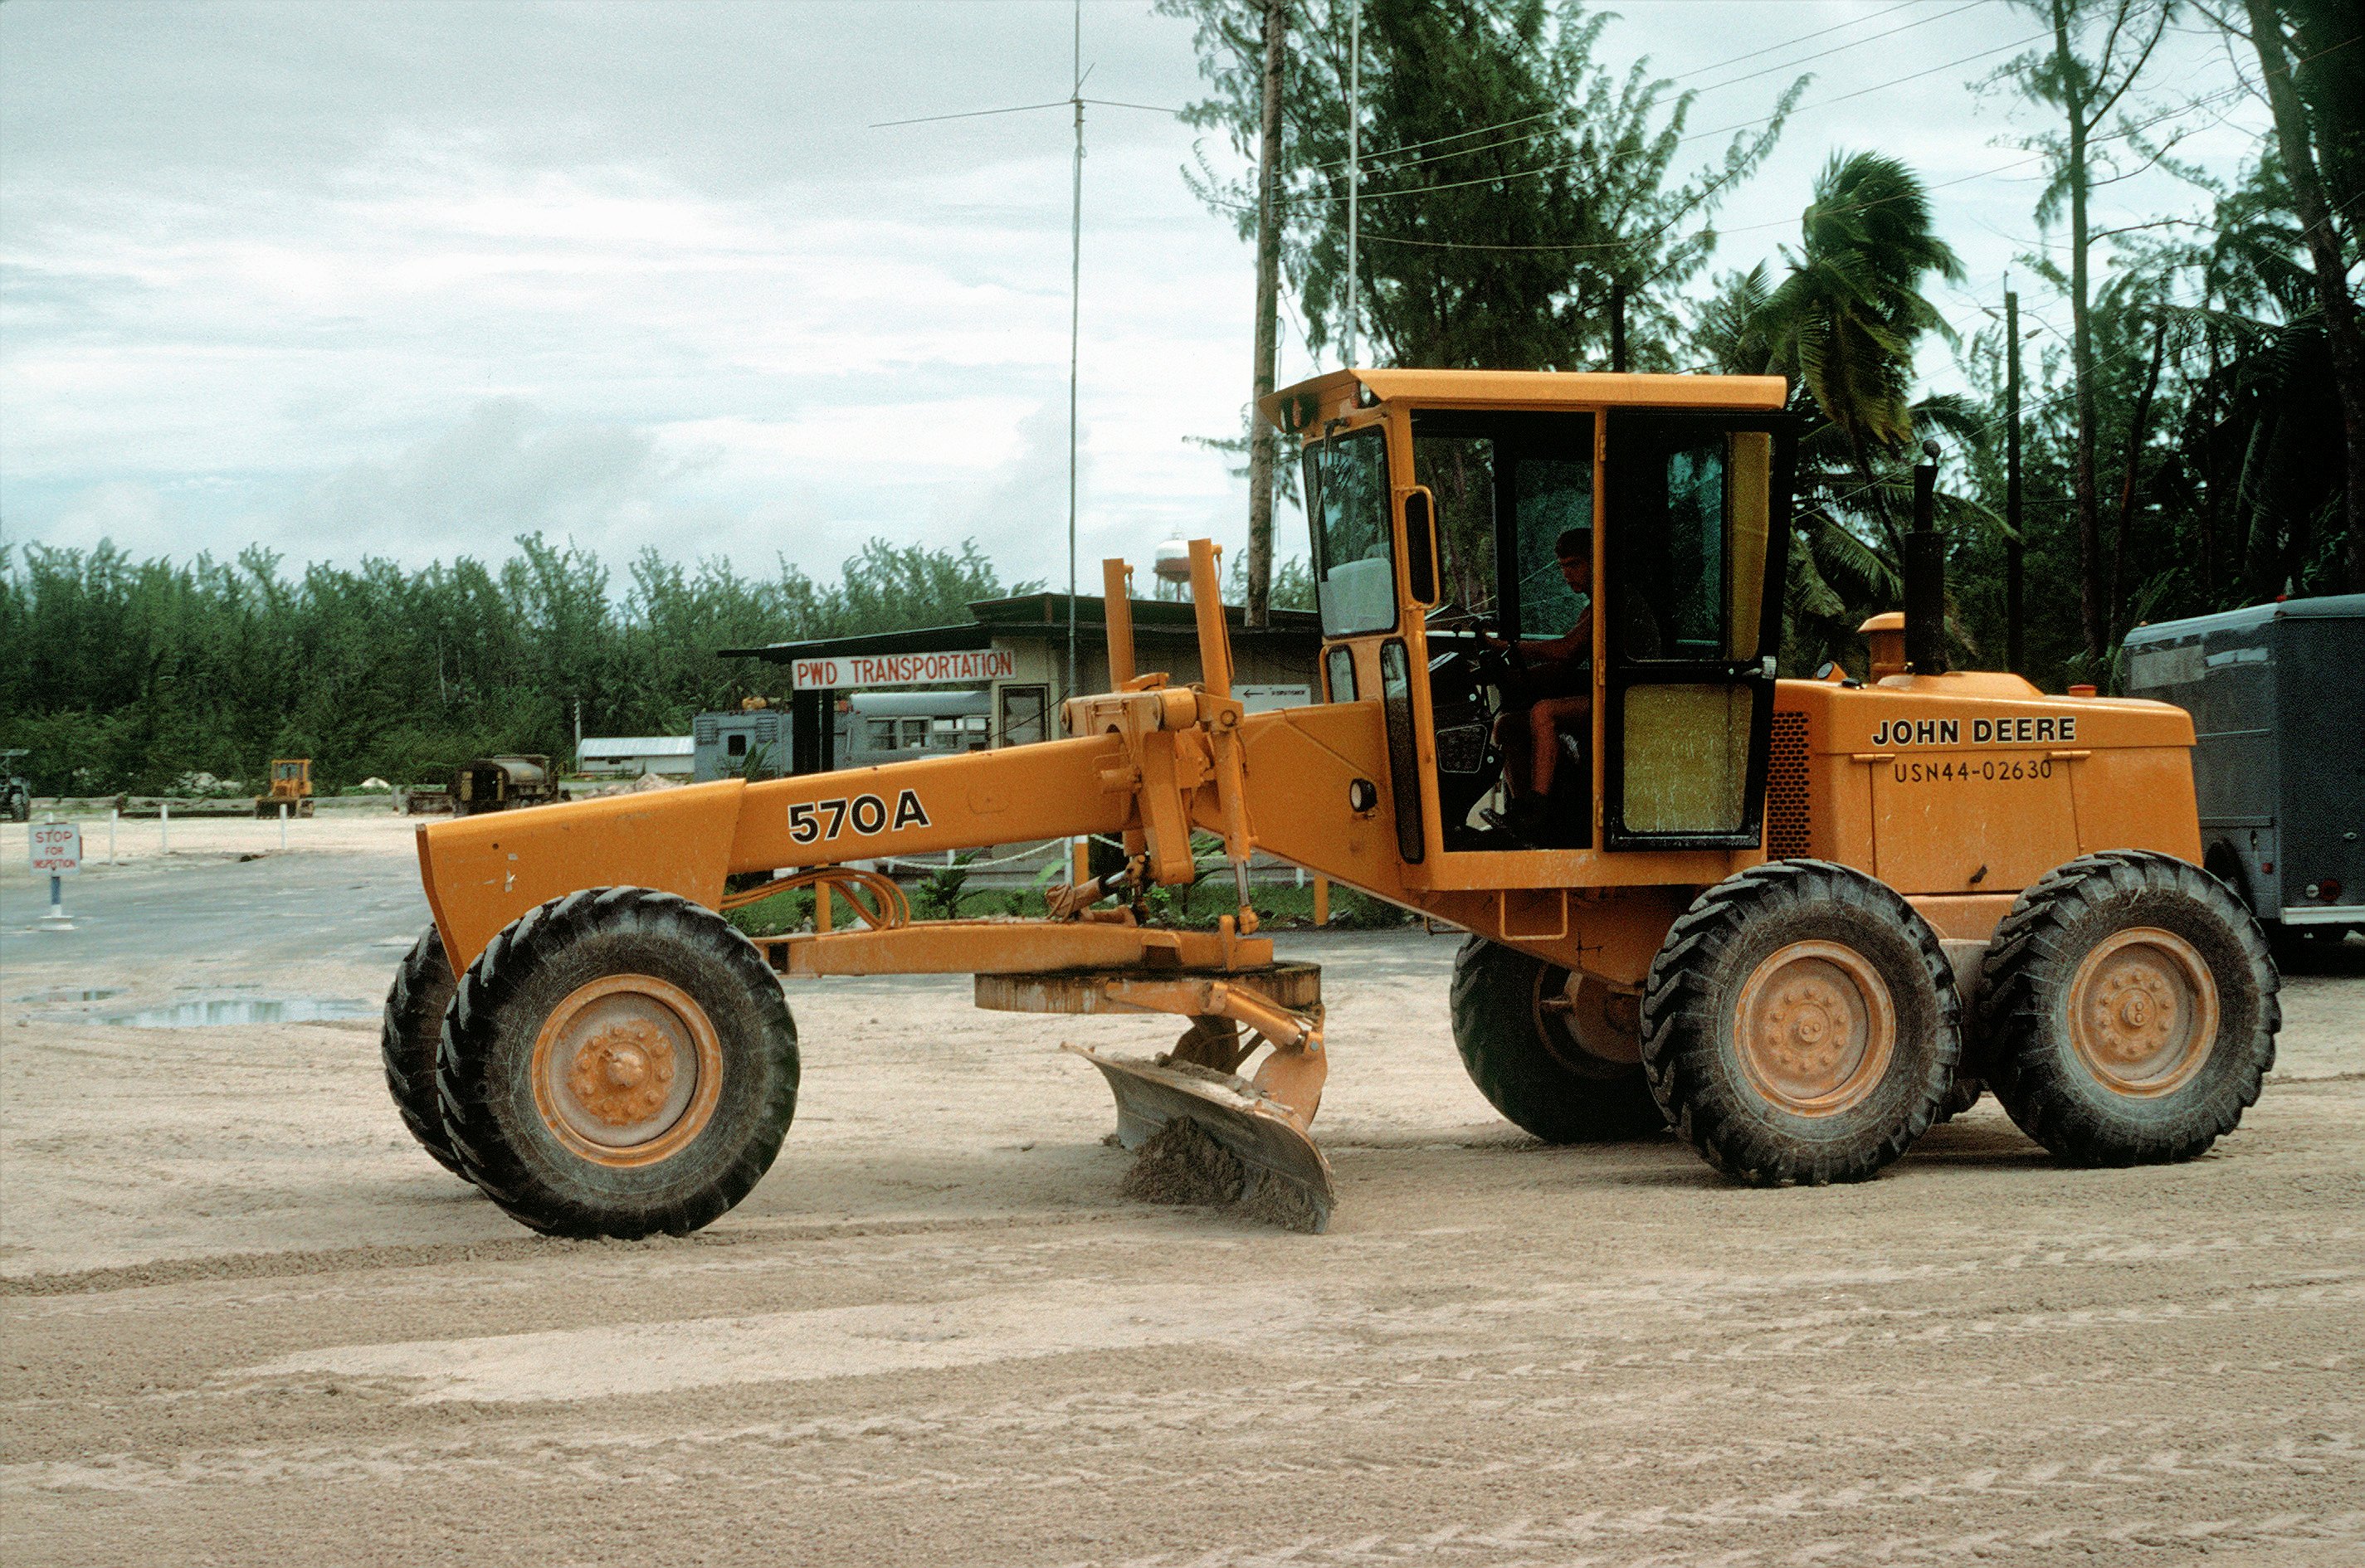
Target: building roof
[(1042, 615), (637, 745)]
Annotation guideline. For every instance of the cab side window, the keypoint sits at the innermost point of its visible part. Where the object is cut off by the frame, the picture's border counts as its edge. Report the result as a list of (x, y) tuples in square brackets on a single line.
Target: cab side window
[(1690, 532), (1555, 494), (1460, 473), (1354, 555)]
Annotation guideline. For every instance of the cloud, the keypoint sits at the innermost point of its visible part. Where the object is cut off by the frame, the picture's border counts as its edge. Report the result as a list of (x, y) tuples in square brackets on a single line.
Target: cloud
[(406, 280), (1024, 501), (503, 469)]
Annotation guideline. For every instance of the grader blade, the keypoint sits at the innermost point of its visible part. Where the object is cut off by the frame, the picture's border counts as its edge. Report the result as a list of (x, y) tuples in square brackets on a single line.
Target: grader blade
[(1285, 1177)]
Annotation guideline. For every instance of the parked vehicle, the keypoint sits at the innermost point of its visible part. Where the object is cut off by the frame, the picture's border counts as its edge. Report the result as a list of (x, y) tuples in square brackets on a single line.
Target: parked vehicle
[(2279, 755)]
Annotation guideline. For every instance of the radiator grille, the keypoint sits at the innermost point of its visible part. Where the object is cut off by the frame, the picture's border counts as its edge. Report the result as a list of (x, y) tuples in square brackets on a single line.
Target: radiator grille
[(1788, 830)]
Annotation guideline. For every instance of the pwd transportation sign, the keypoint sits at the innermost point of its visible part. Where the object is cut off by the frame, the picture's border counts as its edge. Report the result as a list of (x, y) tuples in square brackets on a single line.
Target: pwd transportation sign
[(903, 669), (56, 849)]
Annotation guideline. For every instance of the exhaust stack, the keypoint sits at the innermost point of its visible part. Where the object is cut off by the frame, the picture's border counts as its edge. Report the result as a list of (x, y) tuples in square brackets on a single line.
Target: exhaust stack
[(1925, 574)]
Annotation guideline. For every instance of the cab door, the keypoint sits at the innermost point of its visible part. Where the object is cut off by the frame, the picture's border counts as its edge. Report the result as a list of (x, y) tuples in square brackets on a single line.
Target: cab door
[(1696, 519)]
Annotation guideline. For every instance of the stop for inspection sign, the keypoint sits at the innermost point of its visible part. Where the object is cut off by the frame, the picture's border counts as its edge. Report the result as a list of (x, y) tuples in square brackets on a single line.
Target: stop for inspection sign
[(56, 849)]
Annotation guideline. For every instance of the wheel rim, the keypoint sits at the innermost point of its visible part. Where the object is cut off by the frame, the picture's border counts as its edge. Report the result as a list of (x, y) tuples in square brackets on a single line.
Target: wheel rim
[(627, 1070), (2142, 1012), (1815, 1027)]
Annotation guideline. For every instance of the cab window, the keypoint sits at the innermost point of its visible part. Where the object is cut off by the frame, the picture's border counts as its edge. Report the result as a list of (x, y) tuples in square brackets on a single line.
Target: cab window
[(1690, 535), (1354, 555), (1554, 494), (1460, 473)]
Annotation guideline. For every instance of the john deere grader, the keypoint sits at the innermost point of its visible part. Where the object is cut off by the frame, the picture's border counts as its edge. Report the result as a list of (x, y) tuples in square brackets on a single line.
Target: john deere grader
[(1796, 921)]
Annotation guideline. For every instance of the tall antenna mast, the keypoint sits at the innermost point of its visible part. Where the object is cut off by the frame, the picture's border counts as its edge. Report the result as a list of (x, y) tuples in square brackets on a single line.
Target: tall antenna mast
[(1075, 329), (1354, 157), (1075, 100)]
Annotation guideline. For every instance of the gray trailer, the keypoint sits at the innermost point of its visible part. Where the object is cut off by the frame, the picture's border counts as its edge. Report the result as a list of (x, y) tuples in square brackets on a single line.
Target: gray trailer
[(750, 743), (2277, 695)]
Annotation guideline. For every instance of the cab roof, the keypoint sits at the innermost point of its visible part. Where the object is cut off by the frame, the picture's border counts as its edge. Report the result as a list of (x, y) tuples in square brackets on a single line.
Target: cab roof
[(1299, 408)]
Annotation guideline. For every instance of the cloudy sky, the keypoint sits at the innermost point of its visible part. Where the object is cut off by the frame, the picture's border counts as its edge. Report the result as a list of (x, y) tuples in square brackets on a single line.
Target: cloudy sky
[(405, 280)]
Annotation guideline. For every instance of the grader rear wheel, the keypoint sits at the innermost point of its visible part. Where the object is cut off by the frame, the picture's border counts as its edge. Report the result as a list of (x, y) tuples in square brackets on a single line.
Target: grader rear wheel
[(2130, 1009), (1800, 1025), (618, 1063), (1555, 1064)]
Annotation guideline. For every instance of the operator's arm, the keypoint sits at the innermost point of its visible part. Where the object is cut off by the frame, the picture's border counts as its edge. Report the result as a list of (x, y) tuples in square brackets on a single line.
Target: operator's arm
[(1577, 644)]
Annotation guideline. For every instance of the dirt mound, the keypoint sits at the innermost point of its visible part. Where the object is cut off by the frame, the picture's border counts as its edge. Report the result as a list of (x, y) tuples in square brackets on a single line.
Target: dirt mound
[(1184, 1165)]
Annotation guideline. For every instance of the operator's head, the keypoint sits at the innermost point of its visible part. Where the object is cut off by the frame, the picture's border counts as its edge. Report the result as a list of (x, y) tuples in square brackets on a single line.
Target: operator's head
[(1574, 550)]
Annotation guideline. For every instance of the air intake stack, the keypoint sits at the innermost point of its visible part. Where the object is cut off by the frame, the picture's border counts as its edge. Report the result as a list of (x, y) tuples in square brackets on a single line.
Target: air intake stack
[(1925, 574)]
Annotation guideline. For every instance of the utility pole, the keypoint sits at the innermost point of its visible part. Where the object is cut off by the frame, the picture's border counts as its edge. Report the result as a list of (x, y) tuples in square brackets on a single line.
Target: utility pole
[(1075, 332), (2014, 550), (1268, 316), (1354, 158), (1617, 327)]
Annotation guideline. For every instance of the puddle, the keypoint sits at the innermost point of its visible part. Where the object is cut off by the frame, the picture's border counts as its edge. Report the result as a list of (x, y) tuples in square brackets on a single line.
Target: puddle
[(245, 1010), (67, 993)]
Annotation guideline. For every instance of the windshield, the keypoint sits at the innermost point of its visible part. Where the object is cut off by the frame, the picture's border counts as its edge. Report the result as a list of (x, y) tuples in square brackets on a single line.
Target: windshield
[(1354, 557)]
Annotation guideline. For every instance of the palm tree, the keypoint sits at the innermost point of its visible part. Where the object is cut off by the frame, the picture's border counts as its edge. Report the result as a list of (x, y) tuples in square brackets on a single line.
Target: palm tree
[(1844, 321)]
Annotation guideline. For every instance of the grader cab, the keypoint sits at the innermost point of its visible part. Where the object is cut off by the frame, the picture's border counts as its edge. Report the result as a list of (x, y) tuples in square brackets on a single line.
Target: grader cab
[(1796, 920)]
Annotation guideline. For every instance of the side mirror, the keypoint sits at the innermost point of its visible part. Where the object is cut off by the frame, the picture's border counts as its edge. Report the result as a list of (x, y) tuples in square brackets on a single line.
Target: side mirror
[(1420, 547)]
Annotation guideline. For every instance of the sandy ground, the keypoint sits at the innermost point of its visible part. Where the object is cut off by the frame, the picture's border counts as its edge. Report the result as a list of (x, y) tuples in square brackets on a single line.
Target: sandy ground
[(246, 1322)]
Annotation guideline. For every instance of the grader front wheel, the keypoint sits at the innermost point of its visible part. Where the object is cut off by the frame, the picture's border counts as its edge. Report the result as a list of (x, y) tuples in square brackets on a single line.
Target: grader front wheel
[(618, 1063), (1800, 1025)]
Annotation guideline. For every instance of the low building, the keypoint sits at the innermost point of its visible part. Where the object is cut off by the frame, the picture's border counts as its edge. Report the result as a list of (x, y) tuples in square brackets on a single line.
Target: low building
[(1016, 652), (628, 756)]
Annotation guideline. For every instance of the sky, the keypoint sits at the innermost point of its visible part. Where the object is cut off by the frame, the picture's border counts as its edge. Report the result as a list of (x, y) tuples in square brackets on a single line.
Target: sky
[(404, 281)]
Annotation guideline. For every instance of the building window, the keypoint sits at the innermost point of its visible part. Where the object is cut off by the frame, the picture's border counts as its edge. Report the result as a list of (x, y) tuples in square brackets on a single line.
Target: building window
[(1024, 714)]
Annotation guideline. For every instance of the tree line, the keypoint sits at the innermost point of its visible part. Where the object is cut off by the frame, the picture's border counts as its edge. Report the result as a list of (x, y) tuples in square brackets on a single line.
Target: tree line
[(2193, 436), (132, 675)]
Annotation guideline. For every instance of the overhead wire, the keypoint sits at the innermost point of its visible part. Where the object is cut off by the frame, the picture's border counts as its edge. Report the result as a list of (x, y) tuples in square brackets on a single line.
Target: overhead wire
[(2120, 134), (1680, 76), (1314, 201)]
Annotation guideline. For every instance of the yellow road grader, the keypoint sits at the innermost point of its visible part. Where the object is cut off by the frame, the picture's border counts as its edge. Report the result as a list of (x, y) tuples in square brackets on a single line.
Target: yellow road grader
[(1796, 920)]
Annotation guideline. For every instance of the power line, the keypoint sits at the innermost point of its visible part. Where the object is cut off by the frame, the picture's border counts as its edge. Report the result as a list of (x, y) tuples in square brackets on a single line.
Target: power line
[(1679, 76), (1307, 201), (2120, 134)]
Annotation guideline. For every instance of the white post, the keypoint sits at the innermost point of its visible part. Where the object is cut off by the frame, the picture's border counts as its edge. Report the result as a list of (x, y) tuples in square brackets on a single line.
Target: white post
[(113, 813), (56, 919), (283, 824), (164, 814)]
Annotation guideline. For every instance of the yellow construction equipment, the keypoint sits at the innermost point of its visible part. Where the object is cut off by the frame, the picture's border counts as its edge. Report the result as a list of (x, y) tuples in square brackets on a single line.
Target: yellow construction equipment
[(291, 787), (1798, 921)]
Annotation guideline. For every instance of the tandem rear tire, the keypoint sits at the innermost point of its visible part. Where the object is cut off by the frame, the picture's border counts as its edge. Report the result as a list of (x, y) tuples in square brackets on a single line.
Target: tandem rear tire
[(618, 1063), (1528, 1055), (411, 1036), (2129, 1010), (1800, 1025)]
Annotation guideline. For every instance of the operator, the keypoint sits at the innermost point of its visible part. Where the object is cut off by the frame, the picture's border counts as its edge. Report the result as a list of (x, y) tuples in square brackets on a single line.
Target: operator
[(1554, 690)]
